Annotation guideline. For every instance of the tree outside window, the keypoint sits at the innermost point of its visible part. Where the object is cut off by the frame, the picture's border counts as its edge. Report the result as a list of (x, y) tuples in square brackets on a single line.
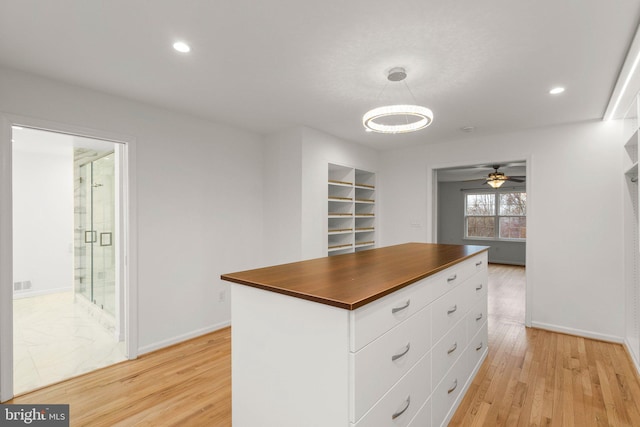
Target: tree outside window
[(496, 215)]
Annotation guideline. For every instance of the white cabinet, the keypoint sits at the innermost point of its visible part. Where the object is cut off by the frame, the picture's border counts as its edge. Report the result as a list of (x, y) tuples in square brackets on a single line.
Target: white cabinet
[(631, 236), (405, 359), (350, 210)]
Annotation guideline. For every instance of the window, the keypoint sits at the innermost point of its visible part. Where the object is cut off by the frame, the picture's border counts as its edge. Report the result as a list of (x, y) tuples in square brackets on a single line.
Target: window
[(500, 215)]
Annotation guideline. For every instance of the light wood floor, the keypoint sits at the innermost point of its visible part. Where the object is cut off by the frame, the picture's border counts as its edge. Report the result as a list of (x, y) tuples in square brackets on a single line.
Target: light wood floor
[(531, 378), (538, 378)]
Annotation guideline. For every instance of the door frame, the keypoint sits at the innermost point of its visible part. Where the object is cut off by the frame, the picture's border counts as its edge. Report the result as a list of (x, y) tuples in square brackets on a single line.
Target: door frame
[(432, 213), (128, 244)]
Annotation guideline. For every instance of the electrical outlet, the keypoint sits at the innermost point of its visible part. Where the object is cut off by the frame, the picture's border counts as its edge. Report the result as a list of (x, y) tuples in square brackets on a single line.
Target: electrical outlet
[(222, 296)]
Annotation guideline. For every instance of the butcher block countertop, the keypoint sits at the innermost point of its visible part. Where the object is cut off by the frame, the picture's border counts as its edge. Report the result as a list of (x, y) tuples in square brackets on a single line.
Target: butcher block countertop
[(352, 280)]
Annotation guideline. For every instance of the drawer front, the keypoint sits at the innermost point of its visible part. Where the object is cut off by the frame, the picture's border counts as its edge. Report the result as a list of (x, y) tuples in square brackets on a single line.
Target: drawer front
[(479, 263), (448, 350), (371, 321), (446, 393), (379, 365), (400, 405), (423, 417), (477, 287), (478, 346), (448, 310), (477, 317), (448, 279)]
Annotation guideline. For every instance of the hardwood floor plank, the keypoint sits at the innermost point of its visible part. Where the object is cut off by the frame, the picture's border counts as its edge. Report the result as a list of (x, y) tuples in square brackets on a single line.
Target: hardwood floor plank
[(562, 380), (531, 377)]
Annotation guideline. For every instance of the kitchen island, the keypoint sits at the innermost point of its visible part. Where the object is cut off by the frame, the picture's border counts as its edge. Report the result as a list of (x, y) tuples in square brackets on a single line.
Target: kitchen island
[(388, 336)]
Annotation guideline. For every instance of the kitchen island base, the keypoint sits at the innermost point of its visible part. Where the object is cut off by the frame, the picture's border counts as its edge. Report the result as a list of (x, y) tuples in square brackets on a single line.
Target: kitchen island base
[(404, 359)]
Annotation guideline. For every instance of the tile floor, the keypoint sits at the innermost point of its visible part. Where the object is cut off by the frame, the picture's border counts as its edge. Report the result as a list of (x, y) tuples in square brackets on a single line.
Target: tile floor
[(55, 339)]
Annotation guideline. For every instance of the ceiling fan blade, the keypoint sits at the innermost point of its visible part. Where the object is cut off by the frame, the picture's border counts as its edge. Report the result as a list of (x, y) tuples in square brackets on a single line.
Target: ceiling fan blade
[(474, 180), (514, 179)]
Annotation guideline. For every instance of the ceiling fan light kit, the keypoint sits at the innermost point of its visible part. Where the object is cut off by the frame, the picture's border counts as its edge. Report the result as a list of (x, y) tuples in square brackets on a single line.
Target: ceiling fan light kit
[(495, 179), (400, 118)]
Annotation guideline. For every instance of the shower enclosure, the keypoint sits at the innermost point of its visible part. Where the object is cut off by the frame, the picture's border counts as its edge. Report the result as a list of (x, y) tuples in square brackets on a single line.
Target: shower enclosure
[(94, 240)]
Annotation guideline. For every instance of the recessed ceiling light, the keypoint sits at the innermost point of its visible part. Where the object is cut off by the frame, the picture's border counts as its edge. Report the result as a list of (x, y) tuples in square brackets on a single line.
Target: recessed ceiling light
[(182, 47), (556, 90)]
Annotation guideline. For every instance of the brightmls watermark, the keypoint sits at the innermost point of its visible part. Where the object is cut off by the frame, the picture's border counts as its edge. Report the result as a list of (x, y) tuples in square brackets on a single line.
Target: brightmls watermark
[(34, 415)]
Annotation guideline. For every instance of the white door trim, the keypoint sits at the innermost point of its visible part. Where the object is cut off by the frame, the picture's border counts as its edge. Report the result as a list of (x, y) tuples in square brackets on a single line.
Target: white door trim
[(128, 238)]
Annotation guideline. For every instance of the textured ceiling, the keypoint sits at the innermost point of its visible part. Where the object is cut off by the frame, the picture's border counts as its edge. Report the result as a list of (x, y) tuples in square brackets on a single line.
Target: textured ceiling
[(274, 64)]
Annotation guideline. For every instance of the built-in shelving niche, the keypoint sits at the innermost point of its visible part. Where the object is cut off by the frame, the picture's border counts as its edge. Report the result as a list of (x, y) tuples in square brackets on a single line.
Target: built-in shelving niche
[(350, 210), (632, 236)]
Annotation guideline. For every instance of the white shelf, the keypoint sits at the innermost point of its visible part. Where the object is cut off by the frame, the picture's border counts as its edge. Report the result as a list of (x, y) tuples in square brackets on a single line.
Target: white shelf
[(340, 183), (350, 210), (341, 231), (335, 248)]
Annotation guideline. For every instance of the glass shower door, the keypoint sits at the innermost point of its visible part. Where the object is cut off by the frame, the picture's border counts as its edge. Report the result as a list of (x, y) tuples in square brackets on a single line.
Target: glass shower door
[(104, 266), (95, 216)]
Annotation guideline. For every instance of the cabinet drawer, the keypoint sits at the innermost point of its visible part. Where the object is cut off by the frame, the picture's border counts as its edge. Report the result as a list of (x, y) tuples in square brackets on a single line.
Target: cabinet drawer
[(477, 317), (380, 364), (423, 417), (448, 350), (477, 287), (446, 393), (478, 346), (479, 263), (402, 402), (448, 310), (447, 280), (372, 320)]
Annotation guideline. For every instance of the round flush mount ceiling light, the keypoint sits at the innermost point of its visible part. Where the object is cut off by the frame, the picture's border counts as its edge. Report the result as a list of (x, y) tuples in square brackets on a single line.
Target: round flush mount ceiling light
[(400, 118), (556, 90), (182, 47)]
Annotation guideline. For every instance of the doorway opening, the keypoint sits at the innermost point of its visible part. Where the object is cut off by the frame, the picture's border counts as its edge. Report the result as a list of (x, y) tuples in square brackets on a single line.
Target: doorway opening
[(471, 209), (68, 293)]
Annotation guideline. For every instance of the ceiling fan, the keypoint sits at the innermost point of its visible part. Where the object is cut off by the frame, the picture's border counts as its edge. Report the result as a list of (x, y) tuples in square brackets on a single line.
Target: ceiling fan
[(495, 179)]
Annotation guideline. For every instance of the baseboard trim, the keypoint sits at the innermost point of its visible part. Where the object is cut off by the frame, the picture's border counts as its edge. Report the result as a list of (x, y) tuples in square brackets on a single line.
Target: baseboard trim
[(578, 332), (497, 261), (634, 360), (28, 294), (180, 338)]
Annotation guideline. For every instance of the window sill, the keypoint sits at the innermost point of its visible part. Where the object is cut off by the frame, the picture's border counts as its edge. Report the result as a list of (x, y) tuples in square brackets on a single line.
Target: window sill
[(490, 239)]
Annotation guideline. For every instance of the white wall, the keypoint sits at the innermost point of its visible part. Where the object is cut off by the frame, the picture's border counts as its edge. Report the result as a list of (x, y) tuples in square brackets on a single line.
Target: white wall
[(296, 174), (43, 212), (283, 197), (574, 247), (199, 199)]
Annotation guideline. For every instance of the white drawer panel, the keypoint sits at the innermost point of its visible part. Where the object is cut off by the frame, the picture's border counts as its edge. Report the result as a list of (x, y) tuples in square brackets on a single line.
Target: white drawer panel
[(369, 322), (479, 262), (379, 365), (477, 317), (446, 393), (478, 346), (403, 401), (448, 350), (447, 280), (423, 417), (477, 287), (448, 310)]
